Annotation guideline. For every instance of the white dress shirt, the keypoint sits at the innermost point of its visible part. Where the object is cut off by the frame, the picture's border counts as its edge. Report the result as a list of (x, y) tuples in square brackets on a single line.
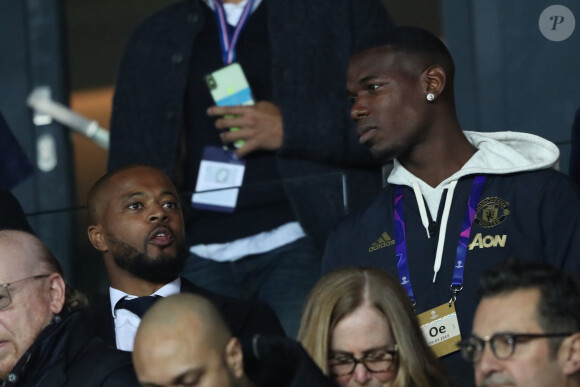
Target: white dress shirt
[(126, 322), (233, 11)]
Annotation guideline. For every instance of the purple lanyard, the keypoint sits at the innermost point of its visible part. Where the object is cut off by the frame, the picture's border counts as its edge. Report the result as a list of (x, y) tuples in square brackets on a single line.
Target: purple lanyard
[(401, 240), (229, 38)]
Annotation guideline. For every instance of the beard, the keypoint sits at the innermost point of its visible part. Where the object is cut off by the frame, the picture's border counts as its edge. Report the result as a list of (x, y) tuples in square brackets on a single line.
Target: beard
[(161, 269), (382, 155)]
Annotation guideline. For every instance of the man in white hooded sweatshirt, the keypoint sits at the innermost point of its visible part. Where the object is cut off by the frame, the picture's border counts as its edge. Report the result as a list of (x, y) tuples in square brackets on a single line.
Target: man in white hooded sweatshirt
[(456, 202)]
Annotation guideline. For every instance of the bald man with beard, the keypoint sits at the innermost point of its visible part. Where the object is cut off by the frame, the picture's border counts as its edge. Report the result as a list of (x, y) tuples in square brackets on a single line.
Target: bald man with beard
[(137, 224)]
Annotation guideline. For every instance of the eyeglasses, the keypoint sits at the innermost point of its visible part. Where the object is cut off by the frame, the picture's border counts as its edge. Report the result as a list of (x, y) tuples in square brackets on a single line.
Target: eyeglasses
[(5, 298), (503, 344), (378, 360)]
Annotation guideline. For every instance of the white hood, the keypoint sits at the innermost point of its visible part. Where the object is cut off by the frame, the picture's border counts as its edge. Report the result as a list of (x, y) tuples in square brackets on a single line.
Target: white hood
[(509, 152), (497, 153)]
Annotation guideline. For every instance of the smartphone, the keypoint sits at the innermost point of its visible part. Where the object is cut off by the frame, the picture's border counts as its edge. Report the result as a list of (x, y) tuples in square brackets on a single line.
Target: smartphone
[(229, 87)]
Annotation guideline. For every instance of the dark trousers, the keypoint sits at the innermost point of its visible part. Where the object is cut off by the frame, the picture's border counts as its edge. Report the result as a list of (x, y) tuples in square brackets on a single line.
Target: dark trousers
[(281, 278)]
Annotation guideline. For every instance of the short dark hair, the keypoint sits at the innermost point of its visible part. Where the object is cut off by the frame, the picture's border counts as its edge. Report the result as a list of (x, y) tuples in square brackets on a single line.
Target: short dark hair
[(414, 41), (95, 190), (559, 305)]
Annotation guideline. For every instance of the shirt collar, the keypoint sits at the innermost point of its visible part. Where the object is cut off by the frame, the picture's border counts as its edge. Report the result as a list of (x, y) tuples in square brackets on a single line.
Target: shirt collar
[(233, 11), (174, 287)]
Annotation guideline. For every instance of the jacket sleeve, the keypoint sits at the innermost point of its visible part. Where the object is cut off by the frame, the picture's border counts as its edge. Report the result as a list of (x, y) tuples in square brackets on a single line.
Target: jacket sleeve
[(145, 122), (262, 319), (575, 150), (282, 362), (560, 222), (340, 247), (122, 377), (310, 87)]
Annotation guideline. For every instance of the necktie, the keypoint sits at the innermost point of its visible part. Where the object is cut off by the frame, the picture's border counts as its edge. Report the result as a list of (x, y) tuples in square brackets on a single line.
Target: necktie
[(137, 305)]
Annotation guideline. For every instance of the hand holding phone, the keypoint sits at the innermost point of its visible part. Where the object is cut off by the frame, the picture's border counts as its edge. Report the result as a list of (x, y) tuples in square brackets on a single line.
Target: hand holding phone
[(229, 87), (261, 126)]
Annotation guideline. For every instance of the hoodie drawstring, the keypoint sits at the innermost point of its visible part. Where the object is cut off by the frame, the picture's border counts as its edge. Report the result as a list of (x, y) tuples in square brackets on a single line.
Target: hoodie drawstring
[(443, 228), (443, 223), (422, 209)]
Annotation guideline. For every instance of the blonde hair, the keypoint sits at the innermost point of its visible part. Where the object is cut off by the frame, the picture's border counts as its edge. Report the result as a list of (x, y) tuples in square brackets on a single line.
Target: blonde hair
[(342, 291)]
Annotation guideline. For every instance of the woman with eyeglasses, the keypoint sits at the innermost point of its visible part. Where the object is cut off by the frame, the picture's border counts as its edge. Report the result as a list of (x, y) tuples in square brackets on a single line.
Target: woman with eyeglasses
[(360, 328)]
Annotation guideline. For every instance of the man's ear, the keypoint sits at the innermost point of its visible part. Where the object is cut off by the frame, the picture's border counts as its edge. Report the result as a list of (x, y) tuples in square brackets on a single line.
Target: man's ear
[(97, 238), (57, 292), (435, 80), (235, 357), (569, 352)]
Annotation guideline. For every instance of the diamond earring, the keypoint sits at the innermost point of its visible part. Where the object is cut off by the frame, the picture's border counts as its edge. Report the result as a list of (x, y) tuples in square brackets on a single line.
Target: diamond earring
[(430, 97)]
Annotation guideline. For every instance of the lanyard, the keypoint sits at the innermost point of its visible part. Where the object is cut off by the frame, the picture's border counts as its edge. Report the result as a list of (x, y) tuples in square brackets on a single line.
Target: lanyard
[(401, 241), (229, 37)]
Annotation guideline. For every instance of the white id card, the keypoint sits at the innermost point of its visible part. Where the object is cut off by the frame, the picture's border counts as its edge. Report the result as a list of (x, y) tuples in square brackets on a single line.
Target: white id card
[(219, 170)]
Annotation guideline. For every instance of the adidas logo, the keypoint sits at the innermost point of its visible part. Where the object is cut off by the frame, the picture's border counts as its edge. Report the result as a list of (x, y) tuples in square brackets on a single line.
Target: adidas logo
[(383, 241)]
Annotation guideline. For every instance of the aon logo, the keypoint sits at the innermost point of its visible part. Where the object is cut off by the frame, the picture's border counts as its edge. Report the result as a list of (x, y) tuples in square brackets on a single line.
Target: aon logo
[(487, 241)]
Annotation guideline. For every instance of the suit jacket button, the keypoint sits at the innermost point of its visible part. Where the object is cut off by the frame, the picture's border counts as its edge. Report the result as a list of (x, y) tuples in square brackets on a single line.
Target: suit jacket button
[(192, 18)]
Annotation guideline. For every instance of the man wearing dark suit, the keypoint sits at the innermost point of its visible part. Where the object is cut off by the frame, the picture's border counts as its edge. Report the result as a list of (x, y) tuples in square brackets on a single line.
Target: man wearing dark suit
[(137, 224)]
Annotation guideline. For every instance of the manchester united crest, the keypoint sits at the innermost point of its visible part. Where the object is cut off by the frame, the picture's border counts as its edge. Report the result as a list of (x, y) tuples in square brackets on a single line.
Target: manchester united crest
[(491, 212)]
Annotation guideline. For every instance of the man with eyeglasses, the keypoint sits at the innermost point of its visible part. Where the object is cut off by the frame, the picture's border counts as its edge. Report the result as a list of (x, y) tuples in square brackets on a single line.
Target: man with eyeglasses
[(43, 341), (526, 330)]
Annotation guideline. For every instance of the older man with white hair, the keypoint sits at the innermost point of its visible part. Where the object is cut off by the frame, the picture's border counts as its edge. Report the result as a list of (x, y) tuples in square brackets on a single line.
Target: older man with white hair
[(43, 341)]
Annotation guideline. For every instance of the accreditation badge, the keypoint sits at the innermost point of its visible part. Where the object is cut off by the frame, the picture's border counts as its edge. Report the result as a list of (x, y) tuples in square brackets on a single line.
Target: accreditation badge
[(441, 329), (219, 171)]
